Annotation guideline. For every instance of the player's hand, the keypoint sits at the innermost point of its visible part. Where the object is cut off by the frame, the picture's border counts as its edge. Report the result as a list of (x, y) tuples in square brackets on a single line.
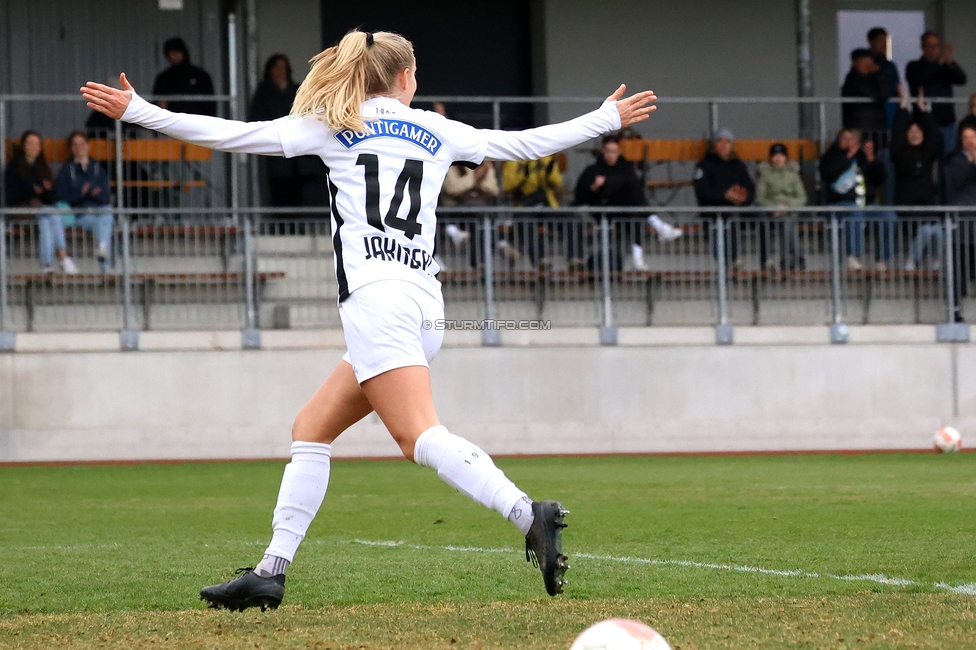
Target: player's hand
[(635, 108), (108, 100)]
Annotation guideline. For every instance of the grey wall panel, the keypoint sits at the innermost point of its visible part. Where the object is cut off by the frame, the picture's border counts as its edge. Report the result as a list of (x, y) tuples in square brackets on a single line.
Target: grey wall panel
[(57, 45)]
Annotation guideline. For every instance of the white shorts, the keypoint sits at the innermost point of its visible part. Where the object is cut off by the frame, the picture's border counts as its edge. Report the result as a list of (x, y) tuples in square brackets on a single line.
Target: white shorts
[(390, 324)]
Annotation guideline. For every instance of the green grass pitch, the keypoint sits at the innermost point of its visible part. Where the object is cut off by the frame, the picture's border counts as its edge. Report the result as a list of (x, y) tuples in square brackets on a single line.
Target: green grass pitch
[(805, 551)]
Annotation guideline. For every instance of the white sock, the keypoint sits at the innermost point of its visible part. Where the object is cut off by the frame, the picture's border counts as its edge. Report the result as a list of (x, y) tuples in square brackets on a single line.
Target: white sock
[(655, 222), (452, 231), (303, 487), (470, 471), (637, 251)]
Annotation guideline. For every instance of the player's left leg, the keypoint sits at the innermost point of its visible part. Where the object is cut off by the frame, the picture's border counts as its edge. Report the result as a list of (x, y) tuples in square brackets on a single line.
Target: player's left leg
[(402, 398)]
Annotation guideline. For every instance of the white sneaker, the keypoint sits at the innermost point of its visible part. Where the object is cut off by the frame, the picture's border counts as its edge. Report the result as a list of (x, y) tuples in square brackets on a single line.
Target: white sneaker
[(637, 252), (667, 232), (880, 266), (854, 264), (68, 266), (910, 265), (457, 235), (440, 264), (102, 253)]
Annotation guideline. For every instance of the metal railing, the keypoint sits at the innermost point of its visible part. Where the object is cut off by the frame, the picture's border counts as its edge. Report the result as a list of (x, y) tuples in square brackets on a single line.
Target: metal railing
[(243, 268)]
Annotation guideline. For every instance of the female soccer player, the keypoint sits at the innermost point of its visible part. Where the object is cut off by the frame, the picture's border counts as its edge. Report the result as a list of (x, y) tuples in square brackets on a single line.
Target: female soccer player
[(386, 163)]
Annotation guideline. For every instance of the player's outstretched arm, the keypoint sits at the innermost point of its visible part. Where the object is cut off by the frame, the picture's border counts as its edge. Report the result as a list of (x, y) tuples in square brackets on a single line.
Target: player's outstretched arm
[(203, 130), (615, 113)]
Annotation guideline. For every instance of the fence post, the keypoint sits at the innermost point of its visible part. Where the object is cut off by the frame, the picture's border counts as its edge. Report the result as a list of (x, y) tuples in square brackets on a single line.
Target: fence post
[(713, 124), (608, 333), (838, 328), (128, 337), (490, 335), (6, 336), (723, 331), (251, 336), (496, 115), (951, 331)]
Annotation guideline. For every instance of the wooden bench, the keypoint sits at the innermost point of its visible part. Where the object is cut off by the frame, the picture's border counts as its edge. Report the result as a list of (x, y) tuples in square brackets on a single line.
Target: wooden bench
[(537, 281), (162, 150), (650, 154), (145, 284)]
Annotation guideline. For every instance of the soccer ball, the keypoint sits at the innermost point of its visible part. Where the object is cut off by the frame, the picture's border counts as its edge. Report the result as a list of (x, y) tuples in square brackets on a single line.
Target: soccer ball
[(619, 634), (947, 440)]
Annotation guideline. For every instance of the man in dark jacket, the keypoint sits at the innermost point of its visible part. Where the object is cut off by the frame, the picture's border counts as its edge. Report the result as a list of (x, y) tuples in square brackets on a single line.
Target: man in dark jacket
[(878, 46), (935, 74), (865, 80), (183, 78), (852, 174), (722, 180), (612, 181)]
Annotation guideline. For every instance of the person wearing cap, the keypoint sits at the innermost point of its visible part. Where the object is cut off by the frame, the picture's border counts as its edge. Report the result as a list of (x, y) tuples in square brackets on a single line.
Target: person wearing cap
[(780, 186), (183, 78), (722, 180), (865, 80), (916, 146)]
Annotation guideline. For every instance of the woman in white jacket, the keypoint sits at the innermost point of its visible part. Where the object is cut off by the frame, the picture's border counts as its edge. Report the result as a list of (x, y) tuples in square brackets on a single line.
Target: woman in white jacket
[(386, 163)]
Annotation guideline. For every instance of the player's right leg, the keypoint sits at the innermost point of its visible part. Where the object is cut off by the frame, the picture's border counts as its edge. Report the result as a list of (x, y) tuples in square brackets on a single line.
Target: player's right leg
[(338, 404)]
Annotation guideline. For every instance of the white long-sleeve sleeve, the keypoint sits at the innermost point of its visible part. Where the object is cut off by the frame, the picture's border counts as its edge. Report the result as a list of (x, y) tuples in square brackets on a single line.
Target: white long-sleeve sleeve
[(211, 132), (533, 144)]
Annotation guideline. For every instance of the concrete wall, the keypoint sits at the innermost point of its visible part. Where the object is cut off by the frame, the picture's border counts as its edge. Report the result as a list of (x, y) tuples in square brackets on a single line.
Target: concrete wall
[(659, 391)]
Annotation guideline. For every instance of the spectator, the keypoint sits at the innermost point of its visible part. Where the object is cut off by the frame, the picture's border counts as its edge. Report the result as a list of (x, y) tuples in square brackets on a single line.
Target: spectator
[(83, 183), (852, 174), (961, 177), (722, 180), (273, 99), (467, 187), (613, 181), (935, 74), (878, 45), (866, 80), (915, 149), (29, 184), (970, 118), (183, 78), (531, 183), (779, 185)]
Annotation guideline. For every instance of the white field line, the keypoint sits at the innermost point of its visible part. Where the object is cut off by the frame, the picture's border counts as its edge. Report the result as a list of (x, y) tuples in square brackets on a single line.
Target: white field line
[(880, 578)]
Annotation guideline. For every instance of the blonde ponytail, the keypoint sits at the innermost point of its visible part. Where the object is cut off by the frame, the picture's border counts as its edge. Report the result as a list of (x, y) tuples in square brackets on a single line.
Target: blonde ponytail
[(342, 77)]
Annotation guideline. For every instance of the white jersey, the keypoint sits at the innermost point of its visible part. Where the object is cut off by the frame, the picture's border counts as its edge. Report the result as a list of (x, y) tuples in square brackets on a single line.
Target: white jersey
[(384, 182)]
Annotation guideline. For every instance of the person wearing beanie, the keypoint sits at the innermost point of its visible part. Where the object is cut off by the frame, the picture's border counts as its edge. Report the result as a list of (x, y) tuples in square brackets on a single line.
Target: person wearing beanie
[(722, 180), (780, 186), (183, 78)]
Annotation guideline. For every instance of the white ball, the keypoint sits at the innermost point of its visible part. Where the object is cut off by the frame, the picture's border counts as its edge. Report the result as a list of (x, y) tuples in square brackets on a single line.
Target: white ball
[(947, 440), (619, 634)]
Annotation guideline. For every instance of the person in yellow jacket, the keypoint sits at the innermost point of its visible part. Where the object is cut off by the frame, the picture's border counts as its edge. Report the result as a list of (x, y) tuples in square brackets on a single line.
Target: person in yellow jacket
[(531, 183)]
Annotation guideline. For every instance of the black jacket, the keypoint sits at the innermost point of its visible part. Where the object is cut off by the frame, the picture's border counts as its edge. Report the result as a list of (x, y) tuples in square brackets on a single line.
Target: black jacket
[(841, 175), (72, 179), (621, 188), (866, 117), (961, 174), (914, 183), (271, 102), (19, 189), (714, 177), (186, 79), (937, 81)]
